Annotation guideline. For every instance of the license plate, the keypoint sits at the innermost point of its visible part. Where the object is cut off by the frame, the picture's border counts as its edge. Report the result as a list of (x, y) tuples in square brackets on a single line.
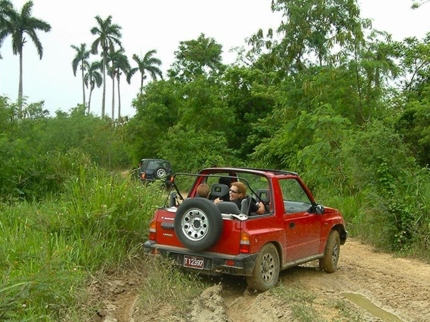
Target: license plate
[(194, 262)]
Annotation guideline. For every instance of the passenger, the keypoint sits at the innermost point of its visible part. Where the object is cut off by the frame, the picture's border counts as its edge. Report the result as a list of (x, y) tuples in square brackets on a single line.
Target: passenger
[(203, 190), (238, 193)]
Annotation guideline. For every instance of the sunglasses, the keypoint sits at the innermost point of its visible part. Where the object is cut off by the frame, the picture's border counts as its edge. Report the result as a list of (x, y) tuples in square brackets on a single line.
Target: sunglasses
[(232, 191)]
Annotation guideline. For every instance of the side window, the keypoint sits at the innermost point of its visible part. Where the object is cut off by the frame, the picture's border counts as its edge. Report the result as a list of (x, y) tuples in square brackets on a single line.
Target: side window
[(295, 198), (144, 163)]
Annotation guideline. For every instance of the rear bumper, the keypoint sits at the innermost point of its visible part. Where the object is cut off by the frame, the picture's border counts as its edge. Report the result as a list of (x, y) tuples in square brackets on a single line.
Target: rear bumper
[(214, 263)]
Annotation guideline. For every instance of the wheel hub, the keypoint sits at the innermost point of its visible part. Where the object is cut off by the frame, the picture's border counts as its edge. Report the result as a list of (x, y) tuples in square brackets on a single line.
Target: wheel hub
[(195, 224)]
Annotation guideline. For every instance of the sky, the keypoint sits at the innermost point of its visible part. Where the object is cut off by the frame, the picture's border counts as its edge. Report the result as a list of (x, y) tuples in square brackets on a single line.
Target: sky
[(159, 25)]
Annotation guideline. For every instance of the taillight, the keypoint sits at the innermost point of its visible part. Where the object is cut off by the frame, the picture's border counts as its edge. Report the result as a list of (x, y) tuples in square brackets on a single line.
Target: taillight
[(244, 243), (143, 174), (152, 230)]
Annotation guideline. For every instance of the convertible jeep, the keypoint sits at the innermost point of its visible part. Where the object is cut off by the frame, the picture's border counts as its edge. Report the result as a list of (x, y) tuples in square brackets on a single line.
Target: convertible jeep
[(224, 238)]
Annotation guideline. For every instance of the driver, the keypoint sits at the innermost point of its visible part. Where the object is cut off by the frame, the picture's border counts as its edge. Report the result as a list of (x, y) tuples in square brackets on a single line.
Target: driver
[(237, 193)]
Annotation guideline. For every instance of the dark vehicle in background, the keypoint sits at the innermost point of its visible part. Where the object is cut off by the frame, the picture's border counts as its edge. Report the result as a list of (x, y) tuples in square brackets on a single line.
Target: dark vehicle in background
[(151, 170)]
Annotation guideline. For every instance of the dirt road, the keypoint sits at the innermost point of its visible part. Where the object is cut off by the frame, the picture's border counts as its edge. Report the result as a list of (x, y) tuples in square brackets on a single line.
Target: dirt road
[(368, 286)]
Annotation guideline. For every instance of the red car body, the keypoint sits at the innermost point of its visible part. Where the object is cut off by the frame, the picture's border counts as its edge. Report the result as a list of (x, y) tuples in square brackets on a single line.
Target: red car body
[(203, 237)]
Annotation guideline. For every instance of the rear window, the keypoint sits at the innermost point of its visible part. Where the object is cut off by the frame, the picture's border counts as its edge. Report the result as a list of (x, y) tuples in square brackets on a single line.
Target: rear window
[(152, 165), (155, 164)]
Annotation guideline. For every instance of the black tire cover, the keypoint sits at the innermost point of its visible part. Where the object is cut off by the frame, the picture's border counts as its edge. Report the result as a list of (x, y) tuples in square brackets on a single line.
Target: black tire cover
[(198, 223)]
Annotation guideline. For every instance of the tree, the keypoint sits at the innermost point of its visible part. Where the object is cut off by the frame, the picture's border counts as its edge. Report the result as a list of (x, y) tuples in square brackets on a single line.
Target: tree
[(93, 78), (122, 66), (416, 5), (108, 35), (82, 55), (196, 58), (313, 33), (119, 63), (147, 63), (17, 24)]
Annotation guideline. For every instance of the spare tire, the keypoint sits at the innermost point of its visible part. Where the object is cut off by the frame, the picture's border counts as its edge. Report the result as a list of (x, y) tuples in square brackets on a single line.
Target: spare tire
[(160, 173), (198, 223)]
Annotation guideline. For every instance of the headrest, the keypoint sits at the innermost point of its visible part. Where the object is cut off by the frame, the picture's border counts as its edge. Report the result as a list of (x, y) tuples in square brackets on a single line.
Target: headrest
[(219, 190), (225, 180), (228, 207), (264, 196)]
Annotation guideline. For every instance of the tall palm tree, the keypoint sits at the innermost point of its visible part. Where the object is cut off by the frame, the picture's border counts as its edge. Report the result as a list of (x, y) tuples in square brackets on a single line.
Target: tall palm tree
[(119, 64), (17, 24), (147, 63), (108, 35), (111, 72), (93, 78), (81, 58)]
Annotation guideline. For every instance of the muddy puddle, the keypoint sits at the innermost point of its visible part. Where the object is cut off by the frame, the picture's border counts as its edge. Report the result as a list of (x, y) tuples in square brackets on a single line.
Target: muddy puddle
[(373, 309)]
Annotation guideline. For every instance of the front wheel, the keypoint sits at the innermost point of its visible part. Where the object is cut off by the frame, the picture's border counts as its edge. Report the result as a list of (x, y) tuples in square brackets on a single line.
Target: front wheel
[(266, 270), (331, 253)]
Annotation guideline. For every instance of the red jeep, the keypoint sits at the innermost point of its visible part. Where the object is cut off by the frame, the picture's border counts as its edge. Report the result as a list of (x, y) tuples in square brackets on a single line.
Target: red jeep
[(223, 238)]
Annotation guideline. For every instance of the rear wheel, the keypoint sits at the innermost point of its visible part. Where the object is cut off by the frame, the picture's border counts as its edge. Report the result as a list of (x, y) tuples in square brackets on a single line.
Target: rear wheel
[(266, 270), (331, 253)]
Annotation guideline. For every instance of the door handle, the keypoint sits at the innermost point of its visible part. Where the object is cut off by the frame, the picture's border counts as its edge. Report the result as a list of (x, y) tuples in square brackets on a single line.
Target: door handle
[(292, 224)]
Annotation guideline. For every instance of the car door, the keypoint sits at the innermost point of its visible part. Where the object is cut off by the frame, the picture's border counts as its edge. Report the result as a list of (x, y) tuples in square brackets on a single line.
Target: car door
[(302, 227)]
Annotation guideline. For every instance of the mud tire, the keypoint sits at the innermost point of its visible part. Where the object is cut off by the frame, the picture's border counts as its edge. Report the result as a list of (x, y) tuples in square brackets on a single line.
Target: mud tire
[(266, 270), (331, 253)]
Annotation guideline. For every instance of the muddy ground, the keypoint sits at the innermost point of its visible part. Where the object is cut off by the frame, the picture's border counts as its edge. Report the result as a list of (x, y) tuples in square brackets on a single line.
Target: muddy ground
[(368, 286)]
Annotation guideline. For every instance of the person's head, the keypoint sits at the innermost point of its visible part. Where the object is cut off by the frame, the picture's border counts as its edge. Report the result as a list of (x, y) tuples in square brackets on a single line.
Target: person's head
[(237, 190), (203, 190)]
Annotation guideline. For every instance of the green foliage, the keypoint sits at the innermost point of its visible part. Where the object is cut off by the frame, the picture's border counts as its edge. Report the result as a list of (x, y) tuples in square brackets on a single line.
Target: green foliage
[(48, 250), (195, 58), (414, 125), (310, 145), (251, 96), (383, 174), (365, 151), (198, 149), (38, 153), (156, 111)]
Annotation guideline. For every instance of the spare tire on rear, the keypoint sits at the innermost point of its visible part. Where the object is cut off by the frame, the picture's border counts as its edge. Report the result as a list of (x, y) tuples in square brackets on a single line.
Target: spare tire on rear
[(160, 173), (198, 223)]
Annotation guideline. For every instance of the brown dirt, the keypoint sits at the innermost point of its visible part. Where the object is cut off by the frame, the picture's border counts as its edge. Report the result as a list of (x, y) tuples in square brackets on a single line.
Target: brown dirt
[(397, 285)]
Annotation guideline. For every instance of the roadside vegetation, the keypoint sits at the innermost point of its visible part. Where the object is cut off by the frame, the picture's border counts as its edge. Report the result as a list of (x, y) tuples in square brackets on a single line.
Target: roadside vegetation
[(342, 104)]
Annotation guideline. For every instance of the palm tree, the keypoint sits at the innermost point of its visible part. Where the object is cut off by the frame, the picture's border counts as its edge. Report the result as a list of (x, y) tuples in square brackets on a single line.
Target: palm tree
[(82, 55), (17, 24), (119, 63), (147, 63), (108, 35), (93, 78)]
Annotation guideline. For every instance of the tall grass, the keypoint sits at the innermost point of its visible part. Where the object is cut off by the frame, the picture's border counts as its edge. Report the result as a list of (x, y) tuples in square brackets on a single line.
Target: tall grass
[(48, 250), (397, 222)]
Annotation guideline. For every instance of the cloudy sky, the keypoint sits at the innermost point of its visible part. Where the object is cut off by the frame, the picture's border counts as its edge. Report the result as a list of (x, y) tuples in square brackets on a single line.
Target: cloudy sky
[(160, 25)]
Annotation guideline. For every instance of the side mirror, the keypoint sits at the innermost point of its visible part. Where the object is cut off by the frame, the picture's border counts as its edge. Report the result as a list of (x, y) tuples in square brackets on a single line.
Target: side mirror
[(319, 209)]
